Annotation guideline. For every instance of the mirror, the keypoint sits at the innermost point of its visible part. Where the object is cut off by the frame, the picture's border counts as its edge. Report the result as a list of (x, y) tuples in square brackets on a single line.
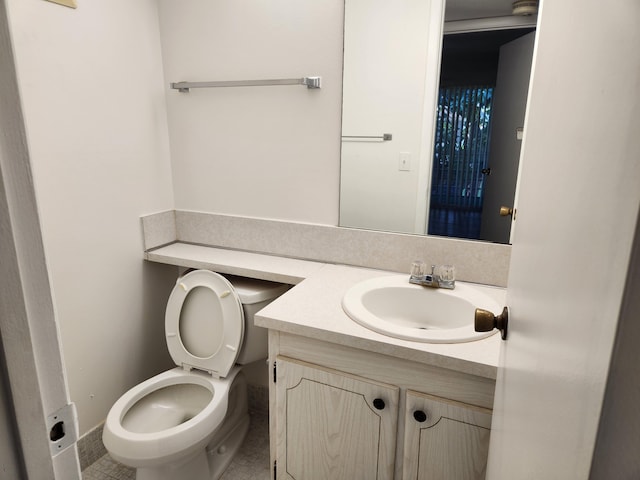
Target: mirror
[(425, 147)]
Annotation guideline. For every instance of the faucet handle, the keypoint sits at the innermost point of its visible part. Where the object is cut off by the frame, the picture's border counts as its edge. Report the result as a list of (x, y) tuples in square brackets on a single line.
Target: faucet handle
[(417, 268), (447, 274)]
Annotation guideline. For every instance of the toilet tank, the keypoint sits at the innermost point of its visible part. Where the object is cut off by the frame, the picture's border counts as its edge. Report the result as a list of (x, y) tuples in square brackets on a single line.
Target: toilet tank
[(254, 295)]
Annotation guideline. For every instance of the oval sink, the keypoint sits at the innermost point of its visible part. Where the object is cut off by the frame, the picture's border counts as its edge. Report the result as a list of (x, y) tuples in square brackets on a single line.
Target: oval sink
[(392, 306)]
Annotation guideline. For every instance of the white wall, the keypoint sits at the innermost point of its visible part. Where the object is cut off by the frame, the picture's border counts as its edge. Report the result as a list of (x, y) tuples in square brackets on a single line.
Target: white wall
[(93, 99), (385, 58), (10, 456), (271, 152)]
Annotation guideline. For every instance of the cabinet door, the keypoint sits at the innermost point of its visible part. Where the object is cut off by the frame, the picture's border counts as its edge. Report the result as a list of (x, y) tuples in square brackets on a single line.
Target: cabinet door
[(332, 425), (444, 439)]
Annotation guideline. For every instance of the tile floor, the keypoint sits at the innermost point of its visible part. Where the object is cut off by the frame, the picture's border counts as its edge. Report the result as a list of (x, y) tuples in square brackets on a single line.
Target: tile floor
[(251, 462)]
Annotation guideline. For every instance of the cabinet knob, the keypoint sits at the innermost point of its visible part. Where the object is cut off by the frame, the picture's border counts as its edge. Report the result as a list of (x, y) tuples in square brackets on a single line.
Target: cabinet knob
[(378, 403), (420, 416)]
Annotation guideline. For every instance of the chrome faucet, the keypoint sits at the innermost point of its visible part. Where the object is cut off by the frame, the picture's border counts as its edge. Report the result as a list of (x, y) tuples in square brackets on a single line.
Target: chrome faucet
[(444, 277)]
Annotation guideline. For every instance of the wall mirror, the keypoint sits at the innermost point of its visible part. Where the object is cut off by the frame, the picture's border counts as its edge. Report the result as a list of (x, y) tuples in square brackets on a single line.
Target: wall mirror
[(433, 109)]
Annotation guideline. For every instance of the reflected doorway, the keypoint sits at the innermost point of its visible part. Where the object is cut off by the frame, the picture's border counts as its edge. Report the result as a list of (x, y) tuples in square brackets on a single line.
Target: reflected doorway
[(482, 99)]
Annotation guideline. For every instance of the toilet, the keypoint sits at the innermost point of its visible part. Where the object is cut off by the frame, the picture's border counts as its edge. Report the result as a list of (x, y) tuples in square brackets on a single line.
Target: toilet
[(189, 421)]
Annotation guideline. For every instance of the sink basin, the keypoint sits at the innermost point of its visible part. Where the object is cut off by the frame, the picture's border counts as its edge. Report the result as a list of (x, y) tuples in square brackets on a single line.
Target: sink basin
[(392, 306)]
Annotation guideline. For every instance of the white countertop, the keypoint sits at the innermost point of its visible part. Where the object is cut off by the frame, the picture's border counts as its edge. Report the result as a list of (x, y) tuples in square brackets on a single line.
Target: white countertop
[(312, 308), (235, 262)]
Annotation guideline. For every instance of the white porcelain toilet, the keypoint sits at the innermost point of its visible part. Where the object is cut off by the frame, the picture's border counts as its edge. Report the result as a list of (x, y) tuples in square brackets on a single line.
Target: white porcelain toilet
[(188, 422)]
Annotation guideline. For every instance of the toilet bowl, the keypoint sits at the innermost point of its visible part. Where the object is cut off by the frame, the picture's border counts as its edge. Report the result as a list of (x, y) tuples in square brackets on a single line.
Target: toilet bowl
[(189, 421)]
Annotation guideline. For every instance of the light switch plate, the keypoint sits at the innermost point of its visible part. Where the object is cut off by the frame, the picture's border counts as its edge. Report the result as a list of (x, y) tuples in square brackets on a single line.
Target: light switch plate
[(404, 162), (66, 3)]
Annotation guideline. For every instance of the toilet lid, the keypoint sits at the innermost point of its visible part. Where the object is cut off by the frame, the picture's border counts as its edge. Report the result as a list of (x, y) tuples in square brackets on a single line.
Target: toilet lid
[(204, 323)]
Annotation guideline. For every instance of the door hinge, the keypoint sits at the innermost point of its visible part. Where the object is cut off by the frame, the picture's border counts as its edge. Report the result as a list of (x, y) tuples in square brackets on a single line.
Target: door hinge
[(274, 372)]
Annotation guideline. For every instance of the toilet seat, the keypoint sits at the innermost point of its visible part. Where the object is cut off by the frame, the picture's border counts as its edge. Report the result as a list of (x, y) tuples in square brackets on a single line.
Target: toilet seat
[(204, 323)]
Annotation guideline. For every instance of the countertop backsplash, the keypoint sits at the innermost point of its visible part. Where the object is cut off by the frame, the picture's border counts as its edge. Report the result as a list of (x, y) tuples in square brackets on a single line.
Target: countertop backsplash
[(478, 262)]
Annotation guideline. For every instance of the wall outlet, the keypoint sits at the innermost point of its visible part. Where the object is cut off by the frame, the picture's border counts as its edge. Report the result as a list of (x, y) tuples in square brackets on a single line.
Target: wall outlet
[(404, 162)]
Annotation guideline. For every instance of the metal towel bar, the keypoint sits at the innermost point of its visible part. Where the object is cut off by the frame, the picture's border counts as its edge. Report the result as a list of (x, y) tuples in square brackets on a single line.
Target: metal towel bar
[(310, 82), (385, 137)]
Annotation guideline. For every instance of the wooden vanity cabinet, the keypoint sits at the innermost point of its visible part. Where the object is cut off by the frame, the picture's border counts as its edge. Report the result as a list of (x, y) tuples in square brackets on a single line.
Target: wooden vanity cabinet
[(333, 425), (338, 412), (444, 439)]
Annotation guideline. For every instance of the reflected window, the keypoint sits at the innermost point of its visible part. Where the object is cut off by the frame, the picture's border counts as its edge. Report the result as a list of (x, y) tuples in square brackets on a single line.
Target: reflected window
[(460, 158)]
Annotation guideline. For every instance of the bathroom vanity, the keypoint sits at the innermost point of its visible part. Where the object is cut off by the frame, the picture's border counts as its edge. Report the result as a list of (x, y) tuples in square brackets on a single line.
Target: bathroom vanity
[(340, 412), (347, 402)]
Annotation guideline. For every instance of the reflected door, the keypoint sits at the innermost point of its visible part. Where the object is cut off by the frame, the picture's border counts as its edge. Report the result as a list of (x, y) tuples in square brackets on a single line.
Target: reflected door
[(509, 105)]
